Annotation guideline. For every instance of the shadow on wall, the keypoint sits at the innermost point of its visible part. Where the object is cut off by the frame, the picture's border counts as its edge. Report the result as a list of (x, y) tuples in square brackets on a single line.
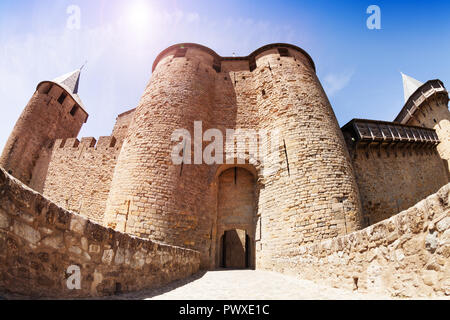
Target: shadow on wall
[(148, 294), (446, 165)]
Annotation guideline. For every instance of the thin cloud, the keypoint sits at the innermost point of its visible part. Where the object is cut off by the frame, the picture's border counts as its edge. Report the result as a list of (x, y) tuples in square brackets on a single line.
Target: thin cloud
[(335, 82)]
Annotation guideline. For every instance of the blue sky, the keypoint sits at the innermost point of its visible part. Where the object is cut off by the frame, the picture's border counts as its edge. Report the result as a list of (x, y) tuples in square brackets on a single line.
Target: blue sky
[(359, 68)]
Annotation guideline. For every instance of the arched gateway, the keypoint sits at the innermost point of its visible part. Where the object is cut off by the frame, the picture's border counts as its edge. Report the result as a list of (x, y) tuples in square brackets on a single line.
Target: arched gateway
[(236, 219)]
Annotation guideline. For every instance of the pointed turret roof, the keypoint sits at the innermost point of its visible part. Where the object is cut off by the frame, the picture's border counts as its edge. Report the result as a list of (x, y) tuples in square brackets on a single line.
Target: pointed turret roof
[(69, 81), (410, 85)]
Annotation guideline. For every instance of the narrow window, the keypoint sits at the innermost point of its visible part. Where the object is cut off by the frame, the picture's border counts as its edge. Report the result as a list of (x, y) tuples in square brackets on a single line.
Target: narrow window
[(217, 67), (284, 52), (252, 64), (74, 110), (47, 91), (62, 97)]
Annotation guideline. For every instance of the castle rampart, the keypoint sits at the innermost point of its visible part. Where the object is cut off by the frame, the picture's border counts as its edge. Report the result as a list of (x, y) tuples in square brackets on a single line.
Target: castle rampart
[(80, 173), (428, 107), (289, 176)]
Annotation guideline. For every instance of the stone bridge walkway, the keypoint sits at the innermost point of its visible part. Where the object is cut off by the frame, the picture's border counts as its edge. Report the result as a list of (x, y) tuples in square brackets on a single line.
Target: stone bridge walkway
[(246, 285)]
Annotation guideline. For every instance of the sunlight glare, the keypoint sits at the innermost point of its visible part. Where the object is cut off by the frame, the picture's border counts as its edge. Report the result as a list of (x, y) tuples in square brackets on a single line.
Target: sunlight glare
[(139, 14)]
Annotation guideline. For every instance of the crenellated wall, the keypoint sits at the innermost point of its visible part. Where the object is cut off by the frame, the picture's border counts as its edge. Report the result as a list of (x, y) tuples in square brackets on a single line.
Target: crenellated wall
[(39, 241), (275, 87), (80, 173), (407, 255)]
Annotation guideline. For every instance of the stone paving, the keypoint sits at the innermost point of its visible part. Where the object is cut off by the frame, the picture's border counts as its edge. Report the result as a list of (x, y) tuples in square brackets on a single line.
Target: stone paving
[(247, 285)]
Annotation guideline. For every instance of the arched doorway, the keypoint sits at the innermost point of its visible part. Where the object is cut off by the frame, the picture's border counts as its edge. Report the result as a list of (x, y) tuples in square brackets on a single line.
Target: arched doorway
[(236, 219)]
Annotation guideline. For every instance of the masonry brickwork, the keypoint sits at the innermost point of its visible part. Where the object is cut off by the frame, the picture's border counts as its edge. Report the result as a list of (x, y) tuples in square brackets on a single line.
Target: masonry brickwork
[(39, 241), (392, 181), (89, 166), (122, 124), (394, 164), (407, 255), (433, 113)]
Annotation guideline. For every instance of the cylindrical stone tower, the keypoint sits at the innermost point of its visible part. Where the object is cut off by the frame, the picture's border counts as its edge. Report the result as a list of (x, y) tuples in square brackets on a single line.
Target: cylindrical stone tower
[(150, 196), (314, 195), (54, 112)]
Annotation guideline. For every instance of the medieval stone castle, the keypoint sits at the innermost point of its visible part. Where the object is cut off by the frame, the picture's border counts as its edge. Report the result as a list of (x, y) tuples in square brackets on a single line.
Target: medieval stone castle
[(331, 181)]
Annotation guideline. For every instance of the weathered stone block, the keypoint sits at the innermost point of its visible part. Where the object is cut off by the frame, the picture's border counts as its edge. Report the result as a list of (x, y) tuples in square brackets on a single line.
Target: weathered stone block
[(108, 256), (55, 241), (26, 232), (4, 220), (77, 224)]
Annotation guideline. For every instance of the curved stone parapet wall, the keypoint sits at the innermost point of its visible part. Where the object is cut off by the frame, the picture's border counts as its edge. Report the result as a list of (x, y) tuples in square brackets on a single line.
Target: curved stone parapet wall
[(407, 255), (39, 241)]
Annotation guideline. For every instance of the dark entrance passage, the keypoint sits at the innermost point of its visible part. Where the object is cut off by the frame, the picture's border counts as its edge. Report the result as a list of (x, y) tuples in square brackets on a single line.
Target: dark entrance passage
[(235, 249), (236, 219)]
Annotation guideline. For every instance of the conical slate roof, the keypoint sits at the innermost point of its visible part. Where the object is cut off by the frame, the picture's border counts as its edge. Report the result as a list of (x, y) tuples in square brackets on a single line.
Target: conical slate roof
[(69, 81), (410, 85)]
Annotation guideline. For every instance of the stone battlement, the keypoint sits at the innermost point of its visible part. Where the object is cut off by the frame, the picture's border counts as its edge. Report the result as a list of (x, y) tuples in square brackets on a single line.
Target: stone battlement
[(88, 165), (103, 143), (250, 62)]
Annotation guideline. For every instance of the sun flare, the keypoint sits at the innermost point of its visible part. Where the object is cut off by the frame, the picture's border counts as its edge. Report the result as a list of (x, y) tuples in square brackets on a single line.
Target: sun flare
[(139, 14)]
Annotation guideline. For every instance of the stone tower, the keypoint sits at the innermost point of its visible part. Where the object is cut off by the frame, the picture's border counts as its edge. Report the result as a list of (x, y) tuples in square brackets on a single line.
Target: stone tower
[(55, 111), (426, 105), (303, 190)]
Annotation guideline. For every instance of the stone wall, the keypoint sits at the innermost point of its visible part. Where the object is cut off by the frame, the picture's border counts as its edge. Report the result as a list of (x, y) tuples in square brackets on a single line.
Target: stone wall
[(433, 113), (123, 122), (393, 180), (39, 241), (407, 255), (79, 175)]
